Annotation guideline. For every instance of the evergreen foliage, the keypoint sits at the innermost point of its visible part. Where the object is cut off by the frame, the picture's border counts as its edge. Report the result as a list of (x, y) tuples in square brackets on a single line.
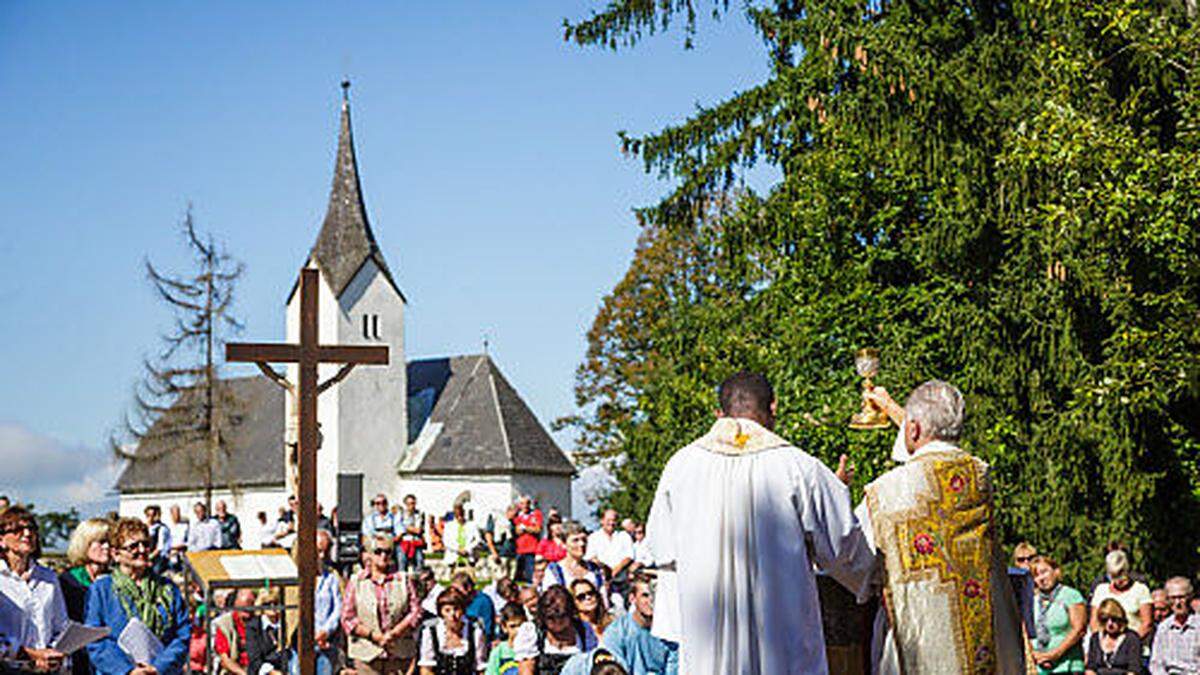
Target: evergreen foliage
[(1002, 195)]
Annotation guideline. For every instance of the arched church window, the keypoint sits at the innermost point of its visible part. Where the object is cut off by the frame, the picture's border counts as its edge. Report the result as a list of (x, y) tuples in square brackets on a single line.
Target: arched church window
[(370, 327)]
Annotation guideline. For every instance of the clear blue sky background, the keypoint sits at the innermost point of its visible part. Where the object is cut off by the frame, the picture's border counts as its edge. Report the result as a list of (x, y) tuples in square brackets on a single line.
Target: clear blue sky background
[(487, 147)]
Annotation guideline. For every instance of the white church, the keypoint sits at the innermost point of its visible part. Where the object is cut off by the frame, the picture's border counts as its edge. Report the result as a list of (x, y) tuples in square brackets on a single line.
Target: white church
[(450, 429)]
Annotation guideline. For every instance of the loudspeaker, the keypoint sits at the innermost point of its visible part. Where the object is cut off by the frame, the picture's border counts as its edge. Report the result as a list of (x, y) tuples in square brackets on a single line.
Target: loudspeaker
[(350, 501)]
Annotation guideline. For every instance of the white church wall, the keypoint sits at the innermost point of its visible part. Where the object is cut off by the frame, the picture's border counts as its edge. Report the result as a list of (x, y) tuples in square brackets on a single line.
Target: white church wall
[(245, 504), (548, 491), (436, 494), (372, 431), (327, 406)]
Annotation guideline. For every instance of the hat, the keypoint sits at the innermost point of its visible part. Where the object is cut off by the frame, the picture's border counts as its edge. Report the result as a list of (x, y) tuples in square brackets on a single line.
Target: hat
[(1117, 564)]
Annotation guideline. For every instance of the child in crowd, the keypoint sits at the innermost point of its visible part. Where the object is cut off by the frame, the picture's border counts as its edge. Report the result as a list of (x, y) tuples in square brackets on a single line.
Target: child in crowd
[(503, 660)]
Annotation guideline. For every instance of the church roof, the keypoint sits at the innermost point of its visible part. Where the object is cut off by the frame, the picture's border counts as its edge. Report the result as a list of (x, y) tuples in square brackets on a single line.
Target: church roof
[(468, 419), (346, 241), (255, 443), (464, 418)]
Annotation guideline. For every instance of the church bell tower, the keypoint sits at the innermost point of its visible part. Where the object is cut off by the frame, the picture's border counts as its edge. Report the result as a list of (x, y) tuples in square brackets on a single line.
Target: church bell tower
[(363, 420)]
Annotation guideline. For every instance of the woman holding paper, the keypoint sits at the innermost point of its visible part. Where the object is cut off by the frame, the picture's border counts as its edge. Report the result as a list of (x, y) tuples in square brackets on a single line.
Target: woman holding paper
[(34, 613), (88, 554), (145, 613)]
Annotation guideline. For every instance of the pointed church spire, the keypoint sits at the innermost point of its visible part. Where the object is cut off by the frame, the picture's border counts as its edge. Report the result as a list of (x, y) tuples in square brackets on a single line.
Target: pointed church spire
[(346, 241)]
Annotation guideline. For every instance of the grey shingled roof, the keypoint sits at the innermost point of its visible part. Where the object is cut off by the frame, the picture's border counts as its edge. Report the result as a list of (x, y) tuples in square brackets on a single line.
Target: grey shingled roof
[(483, 425), (346, 241), (255, 442)]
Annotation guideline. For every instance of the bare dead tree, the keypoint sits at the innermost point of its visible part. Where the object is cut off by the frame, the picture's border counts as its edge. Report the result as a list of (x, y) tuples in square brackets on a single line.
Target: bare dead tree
[(180, 403)]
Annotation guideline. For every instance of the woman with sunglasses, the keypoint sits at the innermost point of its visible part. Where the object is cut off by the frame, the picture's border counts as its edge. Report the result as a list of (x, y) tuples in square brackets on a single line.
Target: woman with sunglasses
[(1115, 650), (545, 647), (1060, 619), (35, 613), (591, 610), (132, 592), (381, 612)]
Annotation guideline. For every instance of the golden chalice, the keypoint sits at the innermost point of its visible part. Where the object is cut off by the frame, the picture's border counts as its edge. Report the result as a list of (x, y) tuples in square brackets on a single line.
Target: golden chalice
[(871, 416)]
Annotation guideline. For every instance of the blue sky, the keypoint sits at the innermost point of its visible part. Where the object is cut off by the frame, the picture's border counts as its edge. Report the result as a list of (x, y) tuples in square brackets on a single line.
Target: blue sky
[(487, 148)]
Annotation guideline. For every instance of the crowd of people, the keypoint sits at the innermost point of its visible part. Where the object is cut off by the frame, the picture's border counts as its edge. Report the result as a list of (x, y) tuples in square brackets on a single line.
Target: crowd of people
[(564, 600), (558, 598), (1119, 627)]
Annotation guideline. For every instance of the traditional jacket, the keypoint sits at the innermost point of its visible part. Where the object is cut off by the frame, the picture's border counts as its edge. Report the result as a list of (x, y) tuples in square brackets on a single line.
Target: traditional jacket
[(366, 611), (950, 607)]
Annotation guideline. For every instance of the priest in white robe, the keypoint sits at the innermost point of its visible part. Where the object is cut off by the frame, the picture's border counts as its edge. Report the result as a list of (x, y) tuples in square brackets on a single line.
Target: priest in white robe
[(948, 605), (739, 519)]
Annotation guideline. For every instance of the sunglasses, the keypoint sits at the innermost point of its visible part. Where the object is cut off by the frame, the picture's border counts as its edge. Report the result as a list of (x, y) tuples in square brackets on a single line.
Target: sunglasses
[(586, 595), (23, 527), (139, 545), (1025, 558), (385, 552), (379, 503), (1112, 619), (557, 616)]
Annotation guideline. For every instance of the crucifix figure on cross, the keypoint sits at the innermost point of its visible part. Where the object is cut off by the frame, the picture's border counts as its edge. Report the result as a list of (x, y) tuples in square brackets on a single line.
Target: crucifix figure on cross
[(308, 354)]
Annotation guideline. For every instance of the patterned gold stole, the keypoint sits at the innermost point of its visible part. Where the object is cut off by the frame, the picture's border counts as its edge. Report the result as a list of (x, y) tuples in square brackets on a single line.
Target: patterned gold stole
[(932, 520)]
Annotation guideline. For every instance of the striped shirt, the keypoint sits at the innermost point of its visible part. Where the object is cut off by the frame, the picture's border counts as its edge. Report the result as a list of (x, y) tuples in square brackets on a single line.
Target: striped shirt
[(1176, 647)]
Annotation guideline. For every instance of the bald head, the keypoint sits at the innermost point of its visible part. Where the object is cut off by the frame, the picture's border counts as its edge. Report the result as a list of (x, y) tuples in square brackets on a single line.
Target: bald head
[(748, 395)]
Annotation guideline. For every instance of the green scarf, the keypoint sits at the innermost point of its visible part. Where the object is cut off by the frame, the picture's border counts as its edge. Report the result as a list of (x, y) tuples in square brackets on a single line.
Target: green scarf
[(146, 601)]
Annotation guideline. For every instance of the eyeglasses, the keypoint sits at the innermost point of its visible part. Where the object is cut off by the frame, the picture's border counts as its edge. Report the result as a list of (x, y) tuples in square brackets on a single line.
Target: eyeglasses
[(139, 545), (586, 595)]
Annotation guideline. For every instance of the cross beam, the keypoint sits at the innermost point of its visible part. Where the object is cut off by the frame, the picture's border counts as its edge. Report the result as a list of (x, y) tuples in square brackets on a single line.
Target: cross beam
[(309, 353)]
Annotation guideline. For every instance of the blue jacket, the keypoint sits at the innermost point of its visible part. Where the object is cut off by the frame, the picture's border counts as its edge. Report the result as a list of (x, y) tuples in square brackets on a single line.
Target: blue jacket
[(641, 652), (104, 609), (484, 612)]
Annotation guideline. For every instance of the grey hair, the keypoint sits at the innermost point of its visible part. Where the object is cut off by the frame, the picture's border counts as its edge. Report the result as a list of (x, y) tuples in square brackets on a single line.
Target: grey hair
[(572, 528), (1181, 583), (939, 407)]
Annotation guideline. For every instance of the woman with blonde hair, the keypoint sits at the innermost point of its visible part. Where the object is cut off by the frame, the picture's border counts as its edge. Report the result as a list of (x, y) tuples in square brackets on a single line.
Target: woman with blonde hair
[(89, 557), (1115, 650)]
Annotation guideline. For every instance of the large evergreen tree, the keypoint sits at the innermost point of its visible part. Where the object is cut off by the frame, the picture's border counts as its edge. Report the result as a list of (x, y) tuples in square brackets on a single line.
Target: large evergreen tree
[(1003, 195)]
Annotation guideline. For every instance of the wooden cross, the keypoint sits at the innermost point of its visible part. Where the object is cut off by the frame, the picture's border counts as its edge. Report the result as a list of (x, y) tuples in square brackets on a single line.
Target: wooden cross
[(309, 354)]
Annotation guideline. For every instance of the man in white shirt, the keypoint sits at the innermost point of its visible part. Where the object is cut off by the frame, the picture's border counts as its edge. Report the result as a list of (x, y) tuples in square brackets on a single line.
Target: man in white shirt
[(205, 533), (177, 534), (611, 547), (381, 520)]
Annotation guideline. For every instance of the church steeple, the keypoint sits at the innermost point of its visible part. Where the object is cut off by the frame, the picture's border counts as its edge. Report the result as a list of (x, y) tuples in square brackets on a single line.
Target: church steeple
[(346, 240)]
